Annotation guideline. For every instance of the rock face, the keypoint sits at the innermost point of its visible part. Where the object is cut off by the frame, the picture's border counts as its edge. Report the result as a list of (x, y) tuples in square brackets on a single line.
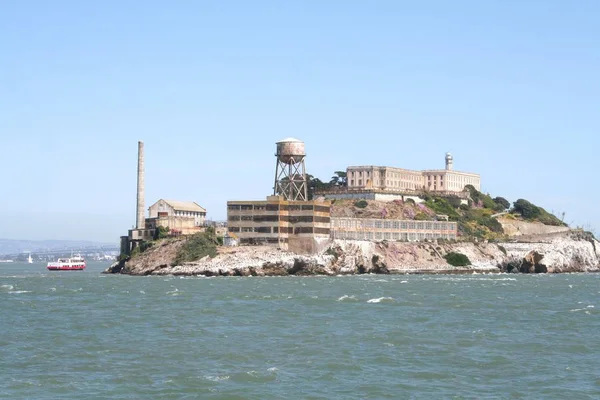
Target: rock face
[(568, 253)]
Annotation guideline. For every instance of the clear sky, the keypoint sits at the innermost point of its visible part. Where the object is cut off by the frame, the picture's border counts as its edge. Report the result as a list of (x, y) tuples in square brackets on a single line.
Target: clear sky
[(511, 88)]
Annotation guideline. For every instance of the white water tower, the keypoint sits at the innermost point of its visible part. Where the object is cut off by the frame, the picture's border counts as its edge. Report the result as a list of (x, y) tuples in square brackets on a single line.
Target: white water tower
[(290, 171)]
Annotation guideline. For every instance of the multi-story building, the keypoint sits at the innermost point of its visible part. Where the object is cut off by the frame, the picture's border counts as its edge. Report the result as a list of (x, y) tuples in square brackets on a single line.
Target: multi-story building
[(291, 225), (402, 180), (391, 229), (372, 177)]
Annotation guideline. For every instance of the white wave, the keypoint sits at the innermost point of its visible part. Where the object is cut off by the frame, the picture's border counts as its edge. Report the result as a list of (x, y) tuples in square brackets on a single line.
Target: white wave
[(217, 378), (8, 287), (380, 299), (20, 291), (142, 292), (577, 309), (346, 297), (53, 289), (590, 306), (272, 369), (173, 292), (403, 281)]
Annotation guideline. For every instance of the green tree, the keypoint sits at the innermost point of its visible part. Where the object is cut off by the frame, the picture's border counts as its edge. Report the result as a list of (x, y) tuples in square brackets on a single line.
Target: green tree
[(502, 203), (339, 179), (314, 185), (526, 209)]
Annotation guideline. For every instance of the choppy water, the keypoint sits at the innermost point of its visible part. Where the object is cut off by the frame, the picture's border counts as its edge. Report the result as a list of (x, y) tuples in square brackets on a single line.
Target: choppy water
[(74, 335)]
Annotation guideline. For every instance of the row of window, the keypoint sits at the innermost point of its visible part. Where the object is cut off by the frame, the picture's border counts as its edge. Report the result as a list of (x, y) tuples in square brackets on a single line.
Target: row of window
[(397, 236), (277, 207), (391, 224), (189, 214), (275, 230), (279, 218)]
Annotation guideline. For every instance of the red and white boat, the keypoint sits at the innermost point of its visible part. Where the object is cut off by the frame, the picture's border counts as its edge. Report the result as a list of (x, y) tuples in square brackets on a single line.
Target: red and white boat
[(74, 263)]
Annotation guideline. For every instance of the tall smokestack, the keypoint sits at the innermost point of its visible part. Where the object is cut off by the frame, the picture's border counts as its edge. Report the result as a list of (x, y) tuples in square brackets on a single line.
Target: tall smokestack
[(140, 221)]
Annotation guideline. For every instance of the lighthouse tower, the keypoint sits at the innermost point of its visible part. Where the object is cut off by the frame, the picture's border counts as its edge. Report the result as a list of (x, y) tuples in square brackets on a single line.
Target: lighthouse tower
[(449, 162)]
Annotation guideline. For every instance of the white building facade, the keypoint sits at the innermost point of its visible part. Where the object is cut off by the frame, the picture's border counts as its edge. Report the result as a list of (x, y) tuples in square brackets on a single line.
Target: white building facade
[(404, 180), (173, 208)]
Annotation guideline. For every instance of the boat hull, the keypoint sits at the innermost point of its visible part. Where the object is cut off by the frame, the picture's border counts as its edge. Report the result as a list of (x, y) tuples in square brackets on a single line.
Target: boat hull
[(65, 268)]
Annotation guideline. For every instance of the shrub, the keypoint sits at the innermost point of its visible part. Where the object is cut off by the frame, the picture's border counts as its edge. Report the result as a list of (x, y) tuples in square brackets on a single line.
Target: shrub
[(197, 246), (457, 259), (442, 206), (161, 232), (502, 203), (492, 224), (454, 201), (421, 216), (360, 203), (135, 252), (526, 209)]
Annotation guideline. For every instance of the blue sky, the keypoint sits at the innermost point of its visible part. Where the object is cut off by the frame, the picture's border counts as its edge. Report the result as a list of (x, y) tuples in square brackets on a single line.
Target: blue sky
[(511, 88)]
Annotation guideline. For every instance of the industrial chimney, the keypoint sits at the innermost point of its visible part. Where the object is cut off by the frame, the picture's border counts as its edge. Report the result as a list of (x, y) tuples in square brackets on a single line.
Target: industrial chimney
[(140, 220)]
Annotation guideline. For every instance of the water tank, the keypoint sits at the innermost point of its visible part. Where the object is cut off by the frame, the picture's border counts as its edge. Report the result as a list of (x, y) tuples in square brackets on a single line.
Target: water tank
[(290, 150)]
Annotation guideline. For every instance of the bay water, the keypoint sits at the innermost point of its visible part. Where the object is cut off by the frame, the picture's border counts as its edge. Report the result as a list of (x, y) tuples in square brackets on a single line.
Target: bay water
[(82, 334)]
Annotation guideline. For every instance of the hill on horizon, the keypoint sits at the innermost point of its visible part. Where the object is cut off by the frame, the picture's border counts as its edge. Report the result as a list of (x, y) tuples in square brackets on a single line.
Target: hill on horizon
[(16, 246)]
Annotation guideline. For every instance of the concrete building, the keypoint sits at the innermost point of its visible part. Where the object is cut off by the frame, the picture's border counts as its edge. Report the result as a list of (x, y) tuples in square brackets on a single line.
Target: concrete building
[(172, 208), (404, 181), (181, 217), (391, 229), (372, 177), (298, 226)]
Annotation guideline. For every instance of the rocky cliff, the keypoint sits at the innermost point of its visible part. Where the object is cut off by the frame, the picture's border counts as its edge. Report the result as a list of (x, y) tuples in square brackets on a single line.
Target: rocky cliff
[(566, 253)]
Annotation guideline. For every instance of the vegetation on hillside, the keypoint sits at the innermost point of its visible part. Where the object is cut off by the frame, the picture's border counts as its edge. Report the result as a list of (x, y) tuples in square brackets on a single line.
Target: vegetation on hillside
[(457, 259), (197, 246), (476, 218), (531, 212)]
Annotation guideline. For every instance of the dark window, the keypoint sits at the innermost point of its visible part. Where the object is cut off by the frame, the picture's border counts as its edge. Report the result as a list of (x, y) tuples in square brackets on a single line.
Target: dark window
[(246, 218), (303, 229), (322, 231), (272, 207), (233, 218), (322, 209), (263, 229), (325, 220), (307, 208), (246, 207), (231, 207), (266, 218), (233, 229), (296, 219)]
